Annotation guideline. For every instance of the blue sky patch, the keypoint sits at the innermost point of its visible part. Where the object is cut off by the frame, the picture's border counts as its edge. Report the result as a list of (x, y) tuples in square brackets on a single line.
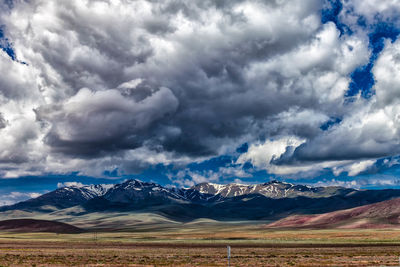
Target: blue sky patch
[(5, 44), (327, 125), (330, 13), (243, 148), (362, 79)]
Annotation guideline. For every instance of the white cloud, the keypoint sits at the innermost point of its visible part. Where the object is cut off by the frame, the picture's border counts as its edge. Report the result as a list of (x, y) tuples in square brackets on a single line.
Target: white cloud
[(387, 74), (334, 182), (371, 10), (354, 169), (70, 184), (379, 181), (261, 155), (14, 197), (187, 178)]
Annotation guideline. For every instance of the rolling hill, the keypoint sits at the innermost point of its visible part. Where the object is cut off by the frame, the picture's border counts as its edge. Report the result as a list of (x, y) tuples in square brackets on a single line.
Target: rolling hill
[(385, 214), (31, 225)]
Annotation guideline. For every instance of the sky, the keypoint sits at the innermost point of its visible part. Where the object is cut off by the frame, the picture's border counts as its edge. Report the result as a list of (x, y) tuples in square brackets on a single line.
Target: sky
[(183, 92)]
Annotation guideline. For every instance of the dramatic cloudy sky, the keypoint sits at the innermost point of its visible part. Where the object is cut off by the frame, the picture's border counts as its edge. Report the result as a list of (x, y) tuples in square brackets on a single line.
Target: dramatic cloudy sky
[(181, 92)]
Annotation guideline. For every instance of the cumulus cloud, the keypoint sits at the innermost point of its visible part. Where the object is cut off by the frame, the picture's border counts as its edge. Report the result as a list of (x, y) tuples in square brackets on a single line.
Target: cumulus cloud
[(379, 181), (70, 184), (371, 10), (262, 155), (187, 178), (368, 133), (104, 85), (354, 168), (14, 197)]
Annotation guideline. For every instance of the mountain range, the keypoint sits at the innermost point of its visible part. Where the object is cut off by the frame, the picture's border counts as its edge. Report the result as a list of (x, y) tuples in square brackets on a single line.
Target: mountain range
[(269, 201)]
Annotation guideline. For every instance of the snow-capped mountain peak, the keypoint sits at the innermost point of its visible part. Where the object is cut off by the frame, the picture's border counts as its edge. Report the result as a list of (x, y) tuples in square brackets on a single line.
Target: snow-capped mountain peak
[(87, 191), (272, 189), (134, 190), (99, 189)]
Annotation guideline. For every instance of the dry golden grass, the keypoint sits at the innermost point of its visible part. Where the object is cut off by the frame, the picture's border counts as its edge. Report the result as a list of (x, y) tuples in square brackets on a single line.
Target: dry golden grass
[(194, 246), (45, 253)]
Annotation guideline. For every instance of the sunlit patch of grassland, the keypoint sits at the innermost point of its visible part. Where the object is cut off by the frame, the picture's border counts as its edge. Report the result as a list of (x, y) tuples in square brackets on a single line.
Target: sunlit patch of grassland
[(219, 233)]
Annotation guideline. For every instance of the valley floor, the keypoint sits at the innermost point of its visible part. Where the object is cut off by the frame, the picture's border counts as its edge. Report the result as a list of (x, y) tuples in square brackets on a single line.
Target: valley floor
[(251, 246)]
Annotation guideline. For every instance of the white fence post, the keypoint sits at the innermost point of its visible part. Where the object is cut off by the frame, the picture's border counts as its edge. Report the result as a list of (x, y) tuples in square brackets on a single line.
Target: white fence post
[(229, 255)]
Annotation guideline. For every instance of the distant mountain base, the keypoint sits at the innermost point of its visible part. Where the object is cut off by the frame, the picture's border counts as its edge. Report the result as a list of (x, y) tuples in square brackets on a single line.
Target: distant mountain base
[(31, 225)]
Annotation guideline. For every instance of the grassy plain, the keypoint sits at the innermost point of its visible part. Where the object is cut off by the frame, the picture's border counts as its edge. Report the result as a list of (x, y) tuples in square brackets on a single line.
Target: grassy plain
[(203, 243)]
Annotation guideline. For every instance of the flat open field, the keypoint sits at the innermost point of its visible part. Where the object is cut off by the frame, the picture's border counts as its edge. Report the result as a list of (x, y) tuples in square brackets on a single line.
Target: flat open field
[(251, 246)]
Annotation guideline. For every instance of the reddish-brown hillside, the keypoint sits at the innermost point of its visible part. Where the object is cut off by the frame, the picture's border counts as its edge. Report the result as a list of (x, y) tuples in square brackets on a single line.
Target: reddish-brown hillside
[(31, 225), (384, 214)]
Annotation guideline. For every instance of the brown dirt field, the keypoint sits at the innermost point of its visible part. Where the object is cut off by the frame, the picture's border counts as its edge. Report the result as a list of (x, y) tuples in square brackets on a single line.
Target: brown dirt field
[(251, 246), (47, 253)]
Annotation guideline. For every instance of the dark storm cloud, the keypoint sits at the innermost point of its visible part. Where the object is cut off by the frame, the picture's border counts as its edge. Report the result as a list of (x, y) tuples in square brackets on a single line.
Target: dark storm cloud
[(209, 78), (91, 123), (129, 84), (3, 121)]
